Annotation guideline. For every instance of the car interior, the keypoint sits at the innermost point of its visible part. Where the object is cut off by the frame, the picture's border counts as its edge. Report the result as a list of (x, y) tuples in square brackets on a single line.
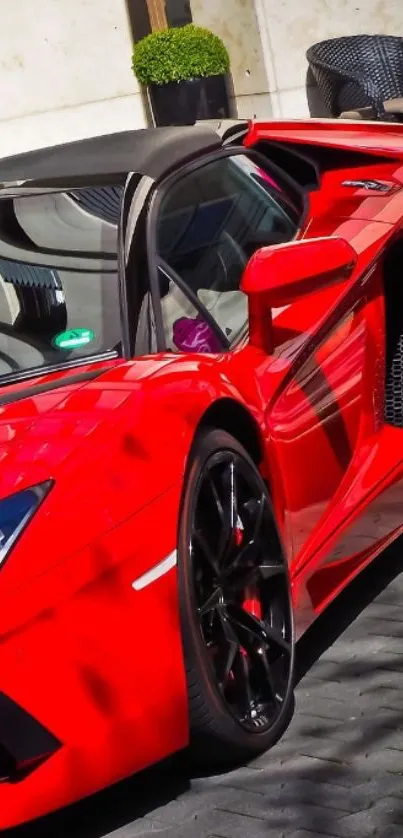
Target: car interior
[(58, 270)]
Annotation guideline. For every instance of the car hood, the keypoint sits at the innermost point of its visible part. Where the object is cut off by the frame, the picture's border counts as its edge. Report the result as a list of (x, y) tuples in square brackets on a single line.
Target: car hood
[(79, 434), (45, 422)]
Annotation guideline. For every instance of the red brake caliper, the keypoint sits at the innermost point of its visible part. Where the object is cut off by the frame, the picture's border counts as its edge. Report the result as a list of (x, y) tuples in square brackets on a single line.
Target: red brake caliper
[(251, 602)]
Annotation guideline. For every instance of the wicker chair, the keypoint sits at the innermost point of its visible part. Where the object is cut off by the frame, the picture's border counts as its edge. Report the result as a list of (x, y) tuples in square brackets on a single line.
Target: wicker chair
[(360, 72)]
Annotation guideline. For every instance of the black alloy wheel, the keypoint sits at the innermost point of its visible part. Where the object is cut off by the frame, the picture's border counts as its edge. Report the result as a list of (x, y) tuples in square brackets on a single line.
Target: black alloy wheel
[(236, 611)]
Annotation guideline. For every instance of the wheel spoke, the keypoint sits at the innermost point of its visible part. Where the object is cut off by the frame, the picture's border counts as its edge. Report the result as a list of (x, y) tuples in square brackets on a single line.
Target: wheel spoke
[(250, 629), (276, 639), (247, 554), (243, 677), (205, 549), (230, 512), (278, 699), (210, 604), (227, 628), (233, 495), (216, 497), (259, 517), (225, 661)]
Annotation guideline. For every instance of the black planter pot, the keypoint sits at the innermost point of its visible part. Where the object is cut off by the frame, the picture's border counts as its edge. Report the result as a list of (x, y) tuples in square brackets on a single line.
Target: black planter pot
[(185, 102)]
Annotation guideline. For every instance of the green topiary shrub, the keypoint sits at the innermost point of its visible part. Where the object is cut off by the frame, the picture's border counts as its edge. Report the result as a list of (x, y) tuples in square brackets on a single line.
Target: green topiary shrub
[(187, 52)]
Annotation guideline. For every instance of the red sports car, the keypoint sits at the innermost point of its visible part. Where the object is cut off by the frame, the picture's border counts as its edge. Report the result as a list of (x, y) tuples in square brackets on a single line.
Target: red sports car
[(201, 434)]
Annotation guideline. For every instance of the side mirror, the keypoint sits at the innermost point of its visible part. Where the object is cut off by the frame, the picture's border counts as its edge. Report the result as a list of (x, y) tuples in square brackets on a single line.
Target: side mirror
[(279, 275)]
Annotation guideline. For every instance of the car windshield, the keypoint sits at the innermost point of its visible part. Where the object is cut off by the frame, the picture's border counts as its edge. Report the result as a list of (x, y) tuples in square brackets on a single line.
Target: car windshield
[(59, 295)]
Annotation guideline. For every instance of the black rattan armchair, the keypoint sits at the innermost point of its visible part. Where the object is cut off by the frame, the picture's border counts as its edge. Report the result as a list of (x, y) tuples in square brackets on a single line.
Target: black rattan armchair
[(360, 71)]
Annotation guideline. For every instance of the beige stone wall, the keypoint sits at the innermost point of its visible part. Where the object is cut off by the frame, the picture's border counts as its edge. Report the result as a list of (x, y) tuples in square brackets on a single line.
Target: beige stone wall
[(269, 38), (64, 72), (236, 23)]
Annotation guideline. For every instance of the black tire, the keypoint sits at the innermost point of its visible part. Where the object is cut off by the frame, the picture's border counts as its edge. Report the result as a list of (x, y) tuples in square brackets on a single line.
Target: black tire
[(221, 730)]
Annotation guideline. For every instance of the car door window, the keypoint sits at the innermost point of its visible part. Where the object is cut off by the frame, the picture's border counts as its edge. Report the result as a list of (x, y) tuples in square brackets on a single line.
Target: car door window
[(59, 295), (209, 225)]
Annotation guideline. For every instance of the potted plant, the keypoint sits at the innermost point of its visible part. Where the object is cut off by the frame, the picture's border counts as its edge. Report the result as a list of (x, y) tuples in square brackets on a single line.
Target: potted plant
[(186, 72)]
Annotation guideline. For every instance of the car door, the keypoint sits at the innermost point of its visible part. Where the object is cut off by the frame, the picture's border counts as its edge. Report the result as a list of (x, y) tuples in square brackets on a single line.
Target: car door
[(315, 422), (209, 221)]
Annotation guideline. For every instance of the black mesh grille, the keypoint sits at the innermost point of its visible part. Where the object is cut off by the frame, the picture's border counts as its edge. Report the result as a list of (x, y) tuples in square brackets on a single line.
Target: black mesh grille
[(394, 387), (393, 288)]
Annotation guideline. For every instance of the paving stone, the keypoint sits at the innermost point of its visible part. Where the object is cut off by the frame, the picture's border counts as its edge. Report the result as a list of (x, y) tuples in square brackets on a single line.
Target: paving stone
[(141, 828), (382, 611), (231, 825), (391, 699), (336, 691), (379, 818), (365, 647), (394, 644), (310, 725), (385, 759), (312, 746), (385, 628), (269, 809), (386, 728), (326, 709), (392, 832), (224, 797), (357, 798), (304, 833), (384, 678), (212, 823), (298, 793)]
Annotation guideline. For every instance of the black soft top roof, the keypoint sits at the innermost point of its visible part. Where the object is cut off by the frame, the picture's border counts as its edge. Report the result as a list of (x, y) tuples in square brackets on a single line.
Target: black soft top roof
[(148, 151)]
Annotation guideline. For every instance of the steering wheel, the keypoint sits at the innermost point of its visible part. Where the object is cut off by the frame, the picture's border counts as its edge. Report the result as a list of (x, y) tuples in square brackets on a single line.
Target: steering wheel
[(222, 267)]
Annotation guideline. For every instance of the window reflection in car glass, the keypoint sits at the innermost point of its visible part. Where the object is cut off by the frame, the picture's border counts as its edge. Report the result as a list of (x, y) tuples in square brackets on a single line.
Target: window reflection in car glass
[(58, 276)]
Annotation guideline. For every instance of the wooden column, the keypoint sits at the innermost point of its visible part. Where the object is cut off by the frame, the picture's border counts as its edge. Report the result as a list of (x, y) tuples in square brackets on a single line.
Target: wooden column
[(156, 11)]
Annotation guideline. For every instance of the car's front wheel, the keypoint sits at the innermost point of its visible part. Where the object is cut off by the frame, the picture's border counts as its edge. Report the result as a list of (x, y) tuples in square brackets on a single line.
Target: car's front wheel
[(235, 604)]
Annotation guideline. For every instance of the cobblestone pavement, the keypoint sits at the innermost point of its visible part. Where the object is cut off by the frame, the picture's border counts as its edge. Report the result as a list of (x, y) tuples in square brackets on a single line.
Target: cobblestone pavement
[(337, 772)]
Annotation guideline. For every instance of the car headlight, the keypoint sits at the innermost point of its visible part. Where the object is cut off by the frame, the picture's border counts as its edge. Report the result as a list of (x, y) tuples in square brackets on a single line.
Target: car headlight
[(15, 513)]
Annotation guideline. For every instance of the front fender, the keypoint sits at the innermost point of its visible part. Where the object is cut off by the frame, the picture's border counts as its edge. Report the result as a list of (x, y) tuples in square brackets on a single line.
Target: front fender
[(111, 450)]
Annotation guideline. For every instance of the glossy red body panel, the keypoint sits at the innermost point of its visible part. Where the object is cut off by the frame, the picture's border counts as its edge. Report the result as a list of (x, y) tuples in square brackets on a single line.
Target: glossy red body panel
[(375, 138), (77, 644), (286, 272)]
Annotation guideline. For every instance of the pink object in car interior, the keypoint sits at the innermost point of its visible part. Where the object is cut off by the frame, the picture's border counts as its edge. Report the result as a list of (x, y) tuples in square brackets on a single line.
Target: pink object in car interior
[(192, 334)]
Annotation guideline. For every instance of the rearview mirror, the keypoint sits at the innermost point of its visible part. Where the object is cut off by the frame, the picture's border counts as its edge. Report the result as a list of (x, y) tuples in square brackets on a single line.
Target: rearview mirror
[(279, 275), (286, 272)]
